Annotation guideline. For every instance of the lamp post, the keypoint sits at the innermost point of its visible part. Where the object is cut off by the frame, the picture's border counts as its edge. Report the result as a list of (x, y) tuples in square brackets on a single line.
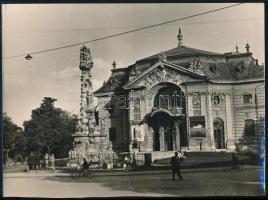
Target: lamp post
[(28, 57)]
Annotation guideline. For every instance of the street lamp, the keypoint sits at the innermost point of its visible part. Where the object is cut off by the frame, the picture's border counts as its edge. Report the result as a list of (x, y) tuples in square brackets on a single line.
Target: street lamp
[(28, 57)]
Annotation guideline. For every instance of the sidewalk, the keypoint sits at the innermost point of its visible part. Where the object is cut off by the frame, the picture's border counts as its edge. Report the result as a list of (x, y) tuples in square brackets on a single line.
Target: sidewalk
[(103, 173)]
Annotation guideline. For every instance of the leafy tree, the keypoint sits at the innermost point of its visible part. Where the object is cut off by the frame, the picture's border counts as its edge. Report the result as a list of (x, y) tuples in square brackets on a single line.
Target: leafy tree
[(49, 130), (13, 140)]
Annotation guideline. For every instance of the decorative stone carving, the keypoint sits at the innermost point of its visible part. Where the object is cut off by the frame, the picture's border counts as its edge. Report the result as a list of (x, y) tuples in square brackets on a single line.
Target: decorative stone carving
[(217, 99), (135, 70), (196, 101), (163, 74), (85, 59), (196, 64), (162, 56)]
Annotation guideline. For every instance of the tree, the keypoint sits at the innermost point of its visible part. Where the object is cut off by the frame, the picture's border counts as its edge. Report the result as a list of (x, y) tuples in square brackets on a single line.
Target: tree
[(13, 140), (49, 130)]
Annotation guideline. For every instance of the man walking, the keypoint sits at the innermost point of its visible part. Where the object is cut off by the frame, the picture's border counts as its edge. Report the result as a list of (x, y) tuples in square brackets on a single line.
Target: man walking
[(176, 166)]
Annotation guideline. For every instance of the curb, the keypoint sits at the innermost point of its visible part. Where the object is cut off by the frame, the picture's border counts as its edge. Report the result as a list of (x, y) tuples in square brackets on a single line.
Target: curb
[(124, 173)]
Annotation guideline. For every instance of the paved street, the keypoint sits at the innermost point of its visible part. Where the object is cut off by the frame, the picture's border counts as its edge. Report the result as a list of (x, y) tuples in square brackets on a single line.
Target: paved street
[(211, 183)]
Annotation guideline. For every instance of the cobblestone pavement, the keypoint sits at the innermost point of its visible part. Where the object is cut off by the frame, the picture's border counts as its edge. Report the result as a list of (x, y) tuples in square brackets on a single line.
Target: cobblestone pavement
[(210, 183)]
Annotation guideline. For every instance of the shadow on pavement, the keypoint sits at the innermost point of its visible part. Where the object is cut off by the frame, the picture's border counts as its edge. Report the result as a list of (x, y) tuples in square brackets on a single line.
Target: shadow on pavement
[(195, 184)]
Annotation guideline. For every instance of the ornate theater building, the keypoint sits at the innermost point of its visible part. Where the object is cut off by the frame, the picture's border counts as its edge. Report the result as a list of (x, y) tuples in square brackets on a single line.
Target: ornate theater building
[(184, 99)]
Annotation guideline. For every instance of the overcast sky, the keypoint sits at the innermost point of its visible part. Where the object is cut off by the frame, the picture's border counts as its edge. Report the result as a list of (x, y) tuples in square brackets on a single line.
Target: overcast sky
[(30, 28)]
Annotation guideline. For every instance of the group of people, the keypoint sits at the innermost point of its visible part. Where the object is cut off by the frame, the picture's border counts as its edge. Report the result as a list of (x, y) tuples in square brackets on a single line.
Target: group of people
[(178, 158), (49, 160)]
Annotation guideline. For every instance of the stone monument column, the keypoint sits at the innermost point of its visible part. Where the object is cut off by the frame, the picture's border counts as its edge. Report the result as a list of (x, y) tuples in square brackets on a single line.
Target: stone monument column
[(88, 140)]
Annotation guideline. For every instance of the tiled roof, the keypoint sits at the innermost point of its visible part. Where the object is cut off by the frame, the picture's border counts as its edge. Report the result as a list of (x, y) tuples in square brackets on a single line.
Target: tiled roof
[(115, 82), (230, 67), (182, 51)]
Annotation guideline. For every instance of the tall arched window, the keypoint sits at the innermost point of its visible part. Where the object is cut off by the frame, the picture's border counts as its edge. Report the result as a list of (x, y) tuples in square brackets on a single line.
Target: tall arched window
[(249, 127), (170, 98)]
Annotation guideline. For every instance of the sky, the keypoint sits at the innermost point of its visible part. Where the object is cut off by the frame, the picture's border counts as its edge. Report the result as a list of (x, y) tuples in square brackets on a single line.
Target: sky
[(28, 28)]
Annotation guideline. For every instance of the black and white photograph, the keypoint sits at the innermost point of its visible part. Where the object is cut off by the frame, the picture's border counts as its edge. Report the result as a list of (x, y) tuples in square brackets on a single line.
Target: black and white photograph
[(133, 100)]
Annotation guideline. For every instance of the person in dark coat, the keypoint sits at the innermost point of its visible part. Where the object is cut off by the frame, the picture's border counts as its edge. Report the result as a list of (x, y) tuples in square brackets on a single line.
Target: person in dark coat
[(176, 166), (85, 166), (234, 160)]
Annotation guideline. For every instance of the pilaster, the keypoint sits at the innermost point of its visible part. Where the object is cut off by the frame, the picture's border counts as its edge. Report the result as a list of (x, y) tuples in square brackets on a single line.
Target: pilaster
[(229, 127)]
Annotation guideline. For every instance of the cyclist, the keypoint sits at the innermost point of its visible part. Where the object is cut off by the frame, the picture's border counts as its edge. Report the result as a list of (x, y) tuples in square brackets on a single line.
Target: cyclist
[(85, 166)]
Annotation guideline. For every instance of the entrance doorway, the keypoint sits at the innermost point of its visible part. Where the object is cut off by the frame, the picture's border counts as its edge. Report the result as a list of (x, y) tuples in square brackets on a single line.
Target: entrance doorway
[(161, 124), (219, 136), (165, 138)]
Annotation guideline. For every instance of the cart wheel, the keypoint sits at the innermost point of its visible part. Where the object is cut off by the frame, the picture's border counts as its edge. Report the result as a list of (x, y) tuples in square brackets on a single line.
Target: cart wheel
[(75, 173), (90, 174)]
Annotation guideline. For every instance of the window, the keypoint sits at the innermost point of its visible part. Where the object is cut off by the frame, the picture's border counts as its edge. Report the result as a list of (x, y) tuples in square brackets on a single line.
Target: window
[(247, 98), (112, 134), (249, 127)]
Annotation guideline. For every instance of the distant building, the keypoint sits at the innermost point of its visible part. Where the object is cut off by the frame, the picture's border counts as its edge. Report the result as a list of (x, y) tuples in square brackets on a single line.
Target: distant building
[(184, 99)]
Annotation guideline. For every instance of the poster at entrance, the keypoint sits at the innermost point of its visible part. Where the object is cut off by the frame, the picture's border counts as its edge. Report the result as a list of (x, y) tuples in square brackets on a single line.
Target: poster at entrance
[(197, 126), (140, 135)]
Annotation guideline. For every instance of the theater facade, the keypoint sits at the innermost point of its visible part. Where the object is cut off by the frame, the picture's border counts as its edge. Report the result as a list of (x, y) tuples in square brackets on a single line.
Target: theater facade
[(184, 99)]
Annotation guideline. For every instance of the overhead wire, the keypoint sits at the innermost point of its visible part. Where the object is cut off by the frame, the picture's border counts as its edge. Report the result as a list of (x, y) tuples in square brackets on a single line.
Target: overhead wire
[(122, 33)]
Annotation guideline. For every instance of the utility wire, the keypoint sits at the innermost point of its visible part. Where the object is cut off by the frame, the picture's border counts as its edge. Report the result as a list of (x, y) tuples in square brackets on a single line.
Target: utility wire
[(123, 33)]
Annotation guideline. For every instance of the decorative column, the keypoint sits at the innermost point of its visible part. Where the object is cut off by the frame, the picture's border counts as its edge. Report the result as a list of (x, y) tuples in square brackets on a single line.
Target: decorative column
[(162, 138), (176, 133), (210, 121), (229, 126)]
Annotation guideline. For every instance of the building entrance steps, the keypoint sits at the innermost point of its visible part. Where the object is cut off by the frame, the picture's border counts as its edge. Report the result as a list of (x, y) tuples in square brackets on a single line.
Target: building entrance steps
[(206, 158)]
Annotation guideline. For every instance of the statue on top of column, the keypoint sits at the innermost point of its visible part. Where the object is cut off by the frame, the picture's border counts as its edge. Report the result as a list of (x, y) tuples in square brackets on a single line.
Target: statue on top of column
[(86, 62)]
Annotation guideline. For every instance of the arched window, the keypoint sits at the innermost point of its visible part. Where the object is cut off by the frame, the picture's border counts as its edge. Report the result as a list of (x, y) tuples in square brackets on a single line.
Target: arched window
[(249, 127), (170, 98)]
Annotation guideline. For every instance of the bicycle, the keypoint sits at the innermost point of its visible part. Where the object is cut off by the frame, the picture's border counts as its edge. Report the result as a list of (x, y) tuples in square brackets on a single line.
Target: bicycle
[(237, 168), (234, 168), (76, 173)]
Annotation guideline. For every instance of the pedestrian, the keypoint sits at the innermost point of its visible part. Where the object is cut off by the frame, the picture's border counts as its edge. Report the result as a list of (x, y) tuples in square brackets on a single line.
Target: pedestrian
[(46, 160), (234, 161), (85, 166), (176, 166), (52, 160)]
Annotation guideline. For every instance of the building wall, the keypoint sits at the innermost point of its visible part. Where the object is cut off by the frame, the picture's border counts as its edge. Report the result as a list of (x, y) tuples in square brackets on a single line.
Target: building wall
[(231, 110), (117, 119), (243, 111)]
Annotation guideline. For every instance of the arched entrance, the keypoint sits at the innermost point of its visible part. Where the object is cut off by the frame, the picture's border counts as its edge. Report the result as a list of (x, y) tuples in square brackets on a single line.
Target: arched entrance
[(219, 135), (168, 120), (163, 135)]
